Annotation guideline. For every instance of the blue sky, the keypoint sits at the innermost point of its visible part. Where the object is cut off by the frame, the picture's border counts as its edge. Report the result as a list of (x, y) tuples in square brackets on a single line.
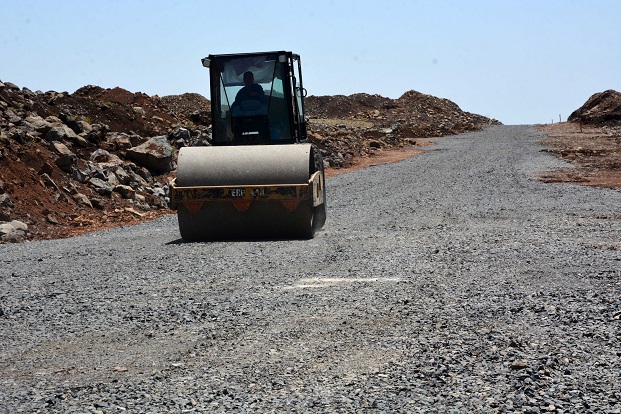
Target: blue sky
[(521, 62)]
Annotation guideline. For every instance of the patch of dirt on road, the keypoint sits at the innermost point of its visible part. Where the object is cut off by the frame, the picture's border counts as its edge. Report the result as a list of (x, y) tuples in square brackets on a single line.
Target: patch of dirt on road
[(593, 151), (379, 157)]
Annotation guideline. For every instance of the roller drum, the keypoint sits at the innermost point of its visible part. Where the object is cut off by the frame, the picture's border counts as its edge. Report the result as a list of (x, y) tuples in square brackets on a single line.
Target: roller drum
[(243, 165), (248, 165)]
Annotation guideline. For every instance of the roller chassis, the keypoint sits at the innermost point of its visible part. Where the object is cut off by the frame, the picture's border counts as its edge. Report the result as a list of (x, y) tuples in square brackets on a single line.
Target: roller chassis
[(242, 195)]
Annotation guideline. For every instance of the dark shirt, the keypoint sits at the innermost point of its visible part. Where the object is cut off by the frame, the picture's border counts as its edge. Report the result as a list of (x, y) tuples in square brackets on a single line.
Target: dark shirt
[(252, 92)]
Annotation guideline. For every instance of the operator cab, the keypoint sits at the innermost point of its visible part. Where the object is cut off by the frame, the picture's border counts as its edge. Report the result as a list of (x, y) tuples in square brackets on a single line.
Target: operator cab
[(256, 98)]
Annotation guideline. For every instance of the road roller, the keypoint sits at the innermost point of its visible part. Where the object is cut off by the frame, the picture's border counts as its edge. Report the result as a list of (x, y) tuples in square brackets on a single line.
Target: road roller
[(260, 178)]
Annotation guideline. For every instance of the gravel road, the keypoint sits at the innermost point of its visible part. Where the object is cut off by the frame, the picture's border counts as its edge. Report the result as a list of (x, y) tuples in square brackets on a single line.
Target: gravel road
[(453, 281)]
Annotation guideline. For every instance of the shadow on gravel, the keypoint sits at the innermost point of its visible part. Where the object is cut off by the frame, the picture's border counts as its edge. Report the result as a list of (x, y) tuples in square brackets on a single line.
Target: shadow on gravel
[(244, 240)]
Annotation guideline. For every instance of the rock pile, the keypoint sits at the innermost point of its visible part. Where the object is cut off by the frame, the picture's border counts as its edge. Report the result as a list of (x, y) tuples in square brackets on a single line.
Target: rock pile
[(98, 158), (94, 158), (348, 127), (601, 109)]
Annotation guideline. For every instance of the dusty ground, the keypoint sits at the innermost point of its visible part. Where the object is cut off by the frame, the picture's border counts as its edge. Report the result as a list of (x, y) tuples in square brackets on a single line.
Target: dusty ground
[(594, 154), (380, 157), (489, 293)]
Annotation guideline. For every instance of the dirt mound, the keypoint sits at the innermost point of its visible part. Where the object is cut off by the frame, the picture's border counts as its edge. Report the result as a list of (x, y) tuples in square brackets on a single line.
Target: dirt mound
[(347, 128), (69, 162), (603, 108), (341, 106), (189, 106), (593, 151)]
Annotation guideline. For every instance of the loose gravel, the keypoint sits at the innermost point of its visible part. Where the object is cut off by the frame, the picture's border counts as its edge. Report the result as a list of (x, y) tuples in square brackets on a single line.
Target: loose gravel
[(453, 281)]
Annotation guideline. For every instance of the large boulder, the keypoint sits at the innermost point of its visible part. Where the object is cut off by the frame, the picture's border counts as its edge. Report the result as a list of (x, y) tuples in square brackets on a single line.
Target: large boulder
[(13, 231), (100, 186), (5, 201), (68, 163), (83, 200), (13, 118), (64, 133), (102, 156), (60, 133), (125, 191), (66, 160), (156, 154), (11, 86), (39, 124)]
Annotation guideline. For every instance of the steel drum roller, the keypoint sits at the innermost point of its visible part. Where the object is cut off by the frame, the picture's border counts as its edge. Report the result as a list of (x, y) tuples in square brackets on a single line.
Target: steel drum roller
[(243, 165), (226, 167)]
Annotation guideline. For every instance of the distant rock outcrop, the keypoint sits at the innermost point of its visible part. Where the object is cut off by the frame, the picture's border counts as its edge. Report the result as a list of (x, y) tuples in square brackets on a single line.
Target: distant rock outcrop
[(601, 109), (349, 127)]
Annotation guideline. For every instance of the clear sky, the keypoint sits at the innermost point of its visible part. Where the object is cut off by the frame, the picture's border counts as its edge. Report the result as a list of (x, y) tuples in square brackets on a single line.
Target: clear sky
[(521, 62)]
